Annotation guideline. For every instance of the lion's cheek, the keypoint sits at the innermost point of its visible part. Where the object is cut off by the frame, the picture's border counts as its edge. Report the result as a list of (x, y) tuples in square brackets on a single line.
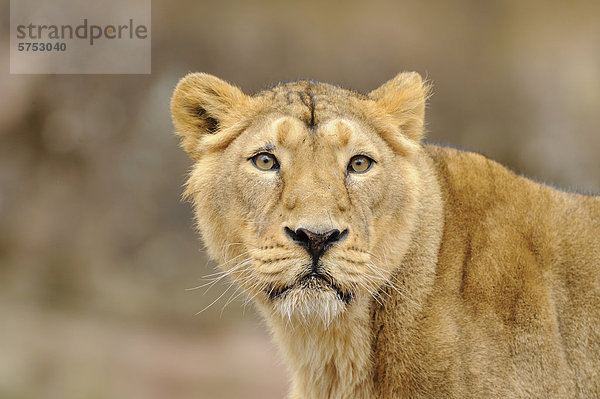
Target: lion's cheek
[(257, 202), (391, 221)]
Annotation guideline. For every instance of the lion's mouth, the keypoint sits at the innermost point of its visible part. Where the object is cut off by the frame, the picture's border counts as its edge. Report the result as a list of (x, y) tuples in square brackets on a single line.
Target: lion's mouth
[(315, 281)]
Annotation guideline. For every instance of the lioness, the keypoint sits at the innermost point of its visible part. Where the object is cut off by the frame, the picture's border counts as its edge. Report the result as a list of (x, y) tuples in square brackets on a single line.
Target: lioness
[(387, 267)]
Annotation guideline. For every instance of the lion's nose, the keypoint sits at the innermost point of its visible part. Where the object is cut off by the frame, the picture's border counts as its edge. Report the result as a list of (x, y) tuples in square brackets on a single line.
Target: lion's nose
[(316, 243)]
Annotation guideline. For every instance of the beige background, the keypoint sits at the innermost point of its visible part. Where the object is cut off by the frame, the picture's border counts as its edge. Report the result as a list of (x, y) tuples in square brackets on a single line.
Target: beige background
[(96, 249)]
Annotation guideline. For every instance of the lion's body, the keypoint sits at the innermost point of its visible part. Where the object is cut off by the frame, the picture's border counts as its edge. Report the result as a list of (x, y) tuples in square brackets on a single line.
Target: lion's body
[(514, 310), (449, 276)]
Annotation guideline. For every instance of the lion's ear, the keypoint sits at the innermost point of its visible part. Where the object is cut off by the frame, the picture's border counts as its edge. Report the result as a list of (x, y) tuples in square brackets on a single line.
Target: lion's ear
[(201, 105), (403, 98)]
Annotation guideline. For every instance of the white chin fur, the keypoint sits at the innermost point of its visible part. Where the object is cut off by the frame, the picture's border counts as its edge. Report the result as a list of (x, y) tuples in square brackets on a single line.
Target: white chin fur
[(307, 306)]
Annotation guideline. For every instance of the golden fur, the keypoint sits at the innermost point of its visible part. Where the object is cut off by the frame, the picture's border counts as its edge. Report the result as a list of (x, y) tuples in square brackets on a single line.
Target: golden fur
[(456, 279)]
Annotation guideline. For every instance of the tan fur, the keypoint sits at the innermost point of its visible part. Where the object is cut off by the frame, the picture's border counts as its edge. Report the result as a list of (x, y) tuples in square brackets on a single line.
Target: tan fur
[(466, 280)]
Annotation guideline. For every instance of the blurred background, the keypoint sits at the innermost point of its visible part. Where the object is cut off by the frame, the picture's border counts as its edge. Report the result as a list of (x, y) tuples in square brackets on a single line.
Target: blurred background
[(96, 248)]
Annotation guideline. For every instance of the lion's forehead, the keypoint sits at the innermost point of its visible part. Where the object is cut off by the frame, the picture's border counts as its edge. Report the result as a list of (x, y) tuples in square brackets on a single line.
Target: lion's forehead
[(312, 102)]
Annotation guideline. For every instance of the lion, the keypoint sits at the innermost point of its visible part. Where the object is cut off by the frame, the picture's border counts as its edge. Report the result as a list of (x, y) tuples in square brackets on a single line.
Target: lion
[(384, 266)]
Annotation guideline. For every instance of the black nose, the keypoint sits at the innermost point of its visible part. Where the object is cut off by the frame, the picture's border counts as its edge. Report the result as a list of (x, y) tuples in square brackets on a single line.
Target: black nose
[(316, 244)]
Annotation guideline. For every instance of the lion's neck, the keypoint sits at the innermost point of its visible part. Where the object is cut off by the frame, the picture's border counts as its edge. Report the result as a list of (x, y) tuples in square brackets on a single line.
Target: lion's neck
[(329, 361)]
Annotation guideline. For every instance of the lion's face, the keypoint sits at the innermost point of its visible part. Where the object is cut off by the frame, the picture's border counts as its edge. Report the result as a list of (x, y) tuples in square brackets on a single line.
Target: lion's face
[(309, 212)]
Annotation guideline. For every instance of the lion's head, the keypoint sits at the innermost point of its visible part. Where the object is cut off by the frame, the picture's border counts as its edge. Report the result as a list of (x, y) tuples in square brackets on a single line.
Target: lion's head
[(305, 193)]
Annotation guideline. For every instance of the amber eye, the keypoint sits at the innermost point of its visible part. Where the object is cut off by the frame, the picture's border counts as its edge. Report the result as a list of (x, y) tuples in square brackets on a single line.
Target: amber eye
[(359, 164), (265, 161)]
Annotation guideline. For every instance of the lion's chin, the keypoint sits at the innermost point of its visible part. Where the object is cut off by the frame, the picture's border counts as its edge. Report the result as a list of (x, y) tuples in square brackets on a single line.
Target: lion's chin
[(308, 303)]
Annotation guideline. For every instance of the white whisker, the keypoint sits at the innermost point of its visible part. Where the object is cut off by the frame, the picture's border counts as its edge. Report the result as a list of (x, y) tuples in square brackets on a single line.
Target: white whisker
[(215, 301)]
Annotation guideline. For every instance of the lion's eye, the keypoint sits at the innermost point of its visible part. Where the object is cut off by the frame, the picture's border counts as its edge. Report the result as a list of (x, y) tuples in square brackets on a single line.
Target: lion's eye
[(359, 164), (265, 161)]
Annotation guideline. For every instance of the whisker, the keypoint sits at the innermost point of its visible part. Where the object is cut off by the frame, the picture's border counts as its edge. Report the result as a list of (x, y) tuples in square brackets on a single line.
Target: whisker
[(239, 267), (213, 281), (239, 291), (226, 246), (215, 301), (221, 265), (259, 288)]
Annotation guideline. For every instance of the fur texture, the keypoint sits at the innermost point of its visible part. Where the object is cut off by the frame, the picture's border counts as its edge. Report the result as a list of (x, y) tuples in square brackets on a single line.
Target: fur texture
[(455, 279)]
